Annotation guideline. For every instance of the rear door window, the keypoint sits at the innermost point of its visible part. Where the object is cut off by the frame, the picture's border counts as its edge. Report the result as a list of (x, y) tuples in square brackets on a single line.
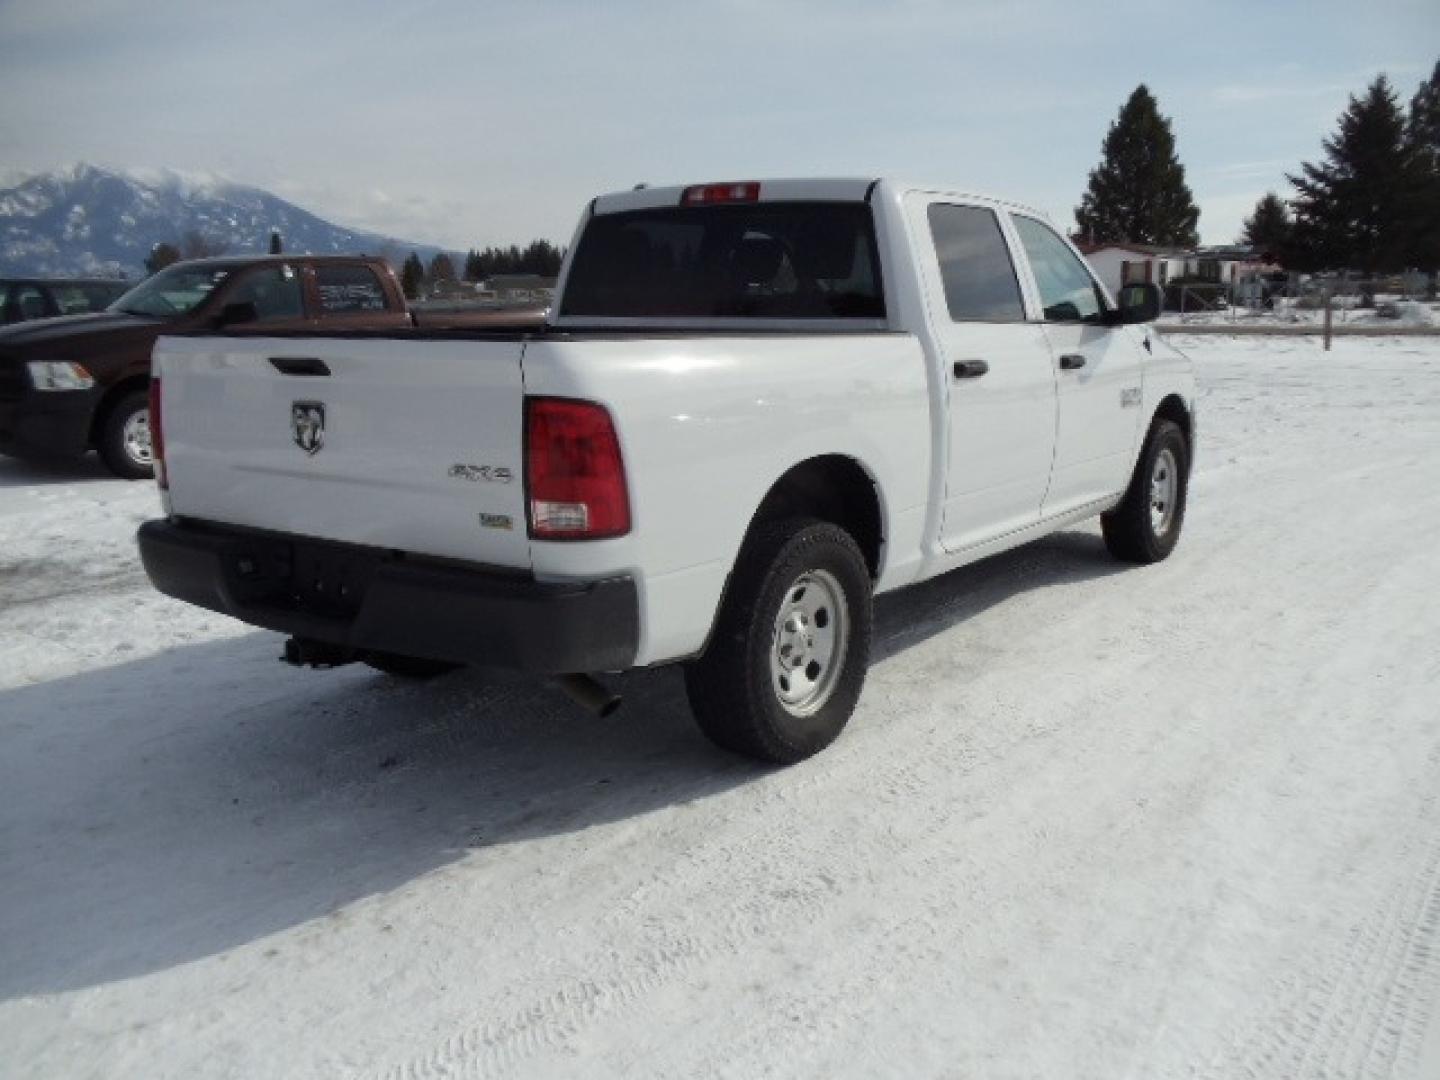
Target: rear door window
[(348, 290), (975, 265), (777, 260)]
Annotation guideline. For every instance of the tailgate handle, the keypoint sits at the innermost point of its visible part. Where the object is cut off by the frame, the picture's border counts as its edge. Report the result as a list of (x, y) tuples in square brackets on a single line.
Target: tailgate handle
[(299, 365)]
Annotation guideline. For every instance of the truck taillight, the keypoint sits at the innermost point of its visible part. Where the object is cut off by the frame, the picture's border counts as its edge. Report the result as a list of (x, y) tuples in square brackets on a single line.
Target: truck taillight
[(574, 475), (157, 435), (709, 194)]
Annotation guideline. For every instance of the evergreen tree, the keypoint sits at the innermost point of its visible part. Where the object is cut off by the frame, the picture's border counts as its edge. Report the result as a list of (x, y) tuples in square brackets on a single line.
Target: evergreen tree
[(161, 256), (412, 276), (1138, 193), (1422, 136), (276, 247), (1356, 209), (472, 266), (1268, 229), (441, 268)]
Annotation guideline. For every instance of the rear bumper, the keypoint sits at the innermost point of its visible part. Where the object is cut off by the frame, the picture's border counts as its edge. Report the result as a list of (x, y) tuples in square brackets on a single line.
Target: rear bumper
[(367, 599), (52, 424)]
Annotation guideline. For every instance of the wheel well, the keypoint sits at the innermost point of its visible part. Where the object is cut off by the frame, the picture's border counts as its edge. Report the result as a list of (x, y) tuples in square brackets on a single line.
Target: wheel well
[(832, 488), (112, 395), (1173, 408)]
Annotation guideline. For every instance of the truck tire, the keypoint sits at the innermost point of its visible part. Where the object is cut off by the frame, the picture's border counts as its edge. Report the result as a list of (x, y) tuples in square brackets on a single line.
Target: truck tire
[(408, 667), (1145, 527), (787, 660), (124, 442)]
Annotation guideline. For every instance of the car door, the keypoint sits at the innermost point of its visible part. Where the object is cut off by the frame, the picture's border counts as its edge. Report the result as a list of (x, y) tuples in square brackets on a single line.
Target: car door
[(999, 381), (1099, 372), (277, 292)]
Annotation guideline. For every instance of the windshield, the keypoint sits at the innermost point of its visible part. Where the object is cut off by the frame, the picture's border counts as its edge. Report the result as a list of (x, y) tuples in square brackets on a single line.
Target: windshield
[(780, 260), (172, 292)]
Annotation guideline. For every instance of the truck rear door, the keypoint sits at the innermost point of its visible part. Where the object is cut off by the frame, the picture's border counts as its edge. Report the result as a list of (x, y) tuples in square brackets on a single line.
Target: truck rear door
[(999, 383), (414, 445)]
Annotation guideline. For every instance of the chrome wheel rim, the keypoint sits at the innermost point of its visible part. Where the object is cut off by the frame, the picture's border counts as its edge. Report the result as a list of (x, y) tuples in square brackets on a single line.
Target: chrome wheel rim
[(807, 649), (136, 437), (1164, 491)]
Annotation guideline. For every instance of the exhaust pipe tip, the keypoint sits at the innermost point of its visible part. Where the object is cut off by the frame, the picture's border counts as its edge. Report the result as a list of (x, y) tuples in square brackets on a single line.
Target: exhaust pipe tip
[(589, 694)]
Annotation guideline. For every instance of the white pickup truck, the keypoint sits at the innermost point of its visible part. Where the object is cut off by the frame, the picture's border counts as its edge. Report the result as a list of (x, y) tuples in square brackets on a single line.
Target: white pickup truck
[(753, 406)]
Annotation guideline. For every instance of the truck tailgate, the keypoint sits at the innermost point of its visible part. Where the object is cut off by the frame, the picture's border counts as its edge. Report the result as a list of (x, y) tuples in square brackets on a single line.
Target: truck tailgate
[(414, 445)]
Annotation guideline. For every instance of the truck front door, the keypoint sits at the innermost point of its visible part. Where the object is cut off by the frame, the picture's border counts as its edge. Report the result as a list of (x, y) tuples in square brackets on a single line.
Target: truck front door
[(1098, 368)]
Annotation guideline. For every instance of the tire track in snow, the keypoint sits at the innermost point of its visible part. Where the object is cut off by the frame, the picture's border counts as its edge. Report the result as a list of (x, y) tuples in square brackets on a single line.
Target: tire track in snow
[(1362, 1011)]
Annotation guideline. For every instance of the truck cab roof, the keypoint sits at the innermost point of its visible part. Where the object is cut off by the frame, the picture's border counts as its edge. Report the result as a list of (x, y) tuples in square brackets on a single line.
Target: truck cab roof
[(794, 189)]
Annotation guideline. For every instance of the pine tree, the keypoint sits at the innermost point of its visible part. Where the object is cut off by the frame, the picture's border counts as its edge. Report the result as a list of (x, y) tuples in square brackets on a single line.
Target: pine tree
[(161, 256), (1268, 229), (441, 268), (1422, 136), (472, 266), (1138, 193), (276, 247), (1355, 210), (412, 276)]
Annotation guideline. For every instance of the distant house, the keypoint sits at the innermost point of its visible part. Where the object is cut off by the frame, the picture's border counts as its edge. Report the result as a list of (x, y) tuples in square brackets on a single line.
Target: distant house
[(1121, 264), (1118, 264), (515, 289)]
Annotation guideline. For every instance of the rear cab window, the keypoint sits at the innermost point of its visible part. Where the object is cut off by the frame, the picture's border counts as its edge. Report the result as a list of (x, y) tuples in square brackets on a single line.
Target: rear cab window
[(776, 260)]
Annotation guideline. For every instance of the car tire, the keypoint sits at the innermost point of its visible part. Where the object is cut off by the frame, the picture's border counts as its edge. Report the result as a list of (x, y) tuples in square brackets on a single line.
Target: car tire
[(124, 441), (1146, 526), (409, 667), (788, 656)]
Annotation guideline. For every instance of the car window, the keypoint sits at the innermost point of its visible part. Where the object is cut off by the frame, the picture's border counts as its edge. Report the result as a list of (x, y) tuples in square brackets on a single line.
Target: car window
[(275, 292), (781, 260), (975, 265), (1067, 291), (346, 290), (77, 299), (27, 302)]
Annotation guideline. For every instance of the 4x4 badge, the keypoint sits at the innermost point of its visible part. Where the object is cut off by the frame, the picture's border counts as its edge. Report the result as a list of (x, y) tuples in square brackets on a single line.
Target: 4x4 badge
[(307, 425)]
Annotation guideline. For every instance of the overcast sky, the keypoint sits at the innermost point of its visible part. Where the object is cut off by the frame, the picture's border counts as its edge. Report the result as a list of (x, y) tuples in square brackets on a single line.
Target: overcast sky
[(472, 123)]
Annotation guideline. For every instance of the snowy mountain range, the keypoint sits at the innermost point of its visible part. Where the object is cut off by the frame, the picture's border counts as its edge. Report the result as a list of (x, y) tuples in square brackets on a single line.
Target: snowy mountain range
[(86, 220)]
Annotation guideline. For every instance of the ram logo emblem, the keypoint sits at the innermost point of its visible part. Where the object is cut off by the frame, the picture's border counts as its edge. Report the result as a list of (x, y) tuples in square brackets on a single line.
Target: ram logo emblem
[(307, 425)]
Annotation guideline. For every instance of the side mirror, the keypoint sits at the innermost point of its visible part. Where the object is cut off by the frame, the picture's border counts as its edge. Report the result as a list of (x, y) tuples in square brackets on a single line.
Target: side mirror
[(1139, 303), (234, 314)]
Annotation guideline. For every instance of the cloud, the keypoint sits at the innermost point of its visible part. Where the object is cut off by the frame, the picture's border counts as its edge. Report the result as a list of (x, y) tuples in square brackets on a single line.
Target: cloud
[(1245, 93)]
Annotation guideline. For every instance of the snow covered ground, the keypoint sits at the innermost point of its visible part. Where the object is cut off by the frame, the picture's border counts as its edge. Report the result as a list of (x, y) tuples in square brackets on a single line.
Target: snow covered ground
[(1089, 821)]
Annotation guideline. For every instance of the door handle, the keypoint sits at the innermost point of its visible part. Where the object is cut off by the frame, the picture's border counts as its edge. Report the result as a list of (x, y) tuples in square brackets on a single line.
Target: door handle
[(300, 365), (1071, 361), (970, 369)]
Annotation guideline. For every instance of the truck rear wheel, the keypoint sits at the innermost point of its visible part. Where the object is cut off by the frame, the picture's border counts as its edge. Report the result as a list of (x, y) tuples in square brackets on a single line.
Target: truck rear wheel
[(787, 661), (1145, 527)]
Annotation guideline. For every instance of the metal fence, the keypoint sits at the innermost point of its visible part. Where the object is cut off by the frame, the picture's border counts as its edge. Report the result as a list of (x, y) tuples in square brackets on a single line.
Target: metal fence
[(1305, 297)]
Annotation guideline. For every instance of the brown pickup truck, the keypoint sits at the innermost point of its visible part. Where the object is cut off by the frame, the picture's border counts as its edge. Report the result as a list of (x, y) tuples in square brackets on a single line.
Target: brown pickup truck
[(76, 383)]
